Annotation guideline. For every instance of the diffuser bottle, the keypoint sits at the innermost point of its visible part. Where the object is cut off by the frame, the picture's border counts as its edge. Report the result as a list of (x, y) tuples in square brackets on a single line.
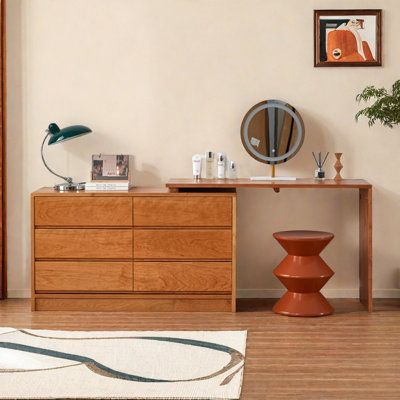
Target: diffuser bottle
[(319, 174)]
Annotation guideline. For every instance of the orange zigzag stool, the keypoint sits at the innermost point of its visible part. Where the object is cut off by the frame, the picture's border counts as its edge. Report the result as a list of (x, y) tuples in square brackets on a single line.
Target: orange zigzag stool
[(304, 273)]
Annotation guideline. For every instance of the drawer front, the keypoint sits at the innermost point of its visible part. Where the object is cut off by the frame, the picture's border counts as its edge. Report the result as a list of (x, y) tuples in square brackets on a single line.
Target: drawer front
[(83, 243), (183, 244), (83, 276), (83, 211), (182, 277), (148, 304), (182, 211)]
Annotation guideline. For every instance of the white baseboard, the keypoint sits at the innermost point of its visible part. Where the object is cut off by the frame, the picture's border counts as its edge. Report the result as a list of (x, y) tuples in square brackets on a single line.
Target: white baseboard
[(386, 293), (19, 294), (264, 293), (330, 293)]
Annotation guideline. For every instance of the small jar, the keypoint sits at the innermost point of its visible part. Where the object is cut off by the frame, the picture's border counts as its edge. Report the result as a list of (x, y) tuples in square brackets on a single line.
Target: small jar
[(319, 174), (232, 170)]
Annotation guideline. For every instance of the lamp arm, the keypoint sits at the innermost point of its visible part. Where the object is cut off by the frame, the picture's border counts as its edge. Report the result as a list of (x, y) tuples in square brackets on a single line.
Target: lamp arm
[(66, 178)]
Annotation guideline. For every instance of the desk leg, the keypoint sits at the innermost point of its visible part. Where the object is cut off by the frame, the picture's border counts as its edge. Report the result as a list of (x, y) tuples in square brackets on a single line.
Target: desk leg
[(233, 306), (365, 247)]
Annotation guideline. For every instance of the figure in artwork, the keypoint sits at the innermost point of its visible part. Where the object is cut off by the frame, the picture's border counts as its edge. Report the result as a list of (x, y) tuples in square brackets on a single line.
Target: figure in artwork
[(345, 43)]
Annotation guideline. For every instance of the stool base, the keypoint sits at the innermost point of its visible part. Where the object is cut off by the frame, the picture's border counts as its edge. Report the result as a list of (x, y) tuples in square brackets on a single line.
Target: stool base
[(303, 305)]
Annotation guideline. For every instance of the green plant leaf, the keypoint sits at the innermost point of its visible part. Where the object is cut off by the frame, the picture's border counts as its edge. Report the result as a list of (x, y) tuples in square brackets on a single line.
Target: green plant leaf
[(385, 108)]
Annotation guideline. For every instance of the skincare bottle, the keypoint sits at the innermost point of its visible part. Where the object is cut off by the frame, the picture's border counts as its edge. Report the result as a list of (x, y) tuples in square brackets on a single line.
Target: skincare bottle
[(221, 166), (196, 165), (232, 170), (209, 165)]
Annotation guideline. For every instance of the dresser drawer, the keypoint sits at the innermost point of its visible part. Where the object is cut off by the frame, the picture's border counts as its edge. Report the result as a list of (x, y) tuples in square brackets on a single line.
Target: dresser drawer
[(182, 211), (183, 243), (183, 276), (83, 211), (83, 276), (83, 243)]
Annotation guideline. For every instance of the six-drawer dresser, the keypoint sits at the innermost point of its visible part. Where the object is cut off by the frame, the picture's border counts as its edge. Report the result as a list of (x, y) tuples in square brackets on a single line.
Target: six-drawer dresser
[(142, 250)]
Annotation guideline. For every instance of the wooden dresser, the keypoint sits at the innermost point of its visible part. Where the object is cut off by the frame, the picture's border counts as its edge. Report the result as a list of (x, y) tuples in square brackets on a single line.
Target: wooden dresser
[(142, 250)]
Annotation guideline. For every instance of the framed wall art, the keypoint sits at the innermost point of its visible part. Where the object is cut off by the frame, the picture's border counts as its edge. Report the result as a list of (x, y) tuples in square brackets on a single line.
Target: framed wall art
[(347, 38)]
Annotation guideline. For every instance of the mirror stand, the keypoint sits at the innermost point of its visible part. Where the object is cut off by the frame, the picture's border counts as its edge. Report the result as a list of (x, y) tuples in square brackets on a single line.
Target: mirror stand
[(273, 177)]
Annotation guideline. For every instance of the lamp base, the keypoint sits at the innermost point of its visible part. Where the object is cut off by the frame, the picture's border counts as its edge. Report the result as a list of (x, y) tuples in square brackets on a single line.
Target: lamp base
[(67, 187)]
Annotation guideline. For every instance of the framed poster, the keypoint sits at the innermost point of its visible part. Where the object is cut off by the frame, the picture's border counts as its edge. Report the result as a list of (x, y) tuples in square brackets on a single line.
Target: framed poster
[(347, 38)]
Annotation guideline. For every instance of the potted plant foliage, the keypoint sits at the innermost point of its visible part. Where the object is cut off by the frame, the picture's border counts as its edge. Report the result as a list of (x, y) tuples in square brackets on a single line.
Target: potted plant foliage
[(386, 107)]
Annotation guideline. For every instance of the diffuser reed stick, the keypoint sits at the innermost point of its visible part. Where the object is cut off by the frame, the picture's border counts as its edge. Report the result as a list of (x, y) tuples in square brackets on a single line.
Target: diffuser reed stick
[(320, 161)]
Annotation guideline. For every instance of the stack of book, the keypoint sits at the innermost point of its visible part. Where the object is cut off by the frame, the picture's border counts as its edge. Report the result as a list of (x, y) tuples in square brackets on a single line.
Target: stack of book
[(108, 185), (110, 172)]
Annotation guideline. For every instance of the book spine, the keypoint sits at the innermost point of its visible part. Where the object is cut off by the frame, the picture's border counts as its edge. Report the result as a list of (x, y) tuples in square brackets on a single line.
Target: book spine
[(107, 187)]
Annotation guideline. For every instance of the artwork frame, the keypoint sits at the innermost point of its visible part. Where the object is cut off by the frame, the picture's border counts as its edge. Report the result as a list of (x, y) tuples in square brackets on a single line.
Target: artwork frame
[(111, 167), (368, 53)]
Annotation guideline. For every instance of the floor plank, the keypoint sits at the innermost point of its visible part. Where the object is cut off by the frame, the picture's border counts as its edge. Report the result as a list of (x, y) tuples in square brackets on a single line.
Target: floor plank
[(348, 355)]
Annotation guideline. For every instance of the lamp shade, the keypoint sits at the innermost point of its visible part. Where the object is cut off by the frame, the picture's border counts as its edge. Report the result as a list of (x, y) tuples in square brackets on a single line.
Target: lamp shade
[(70, 132)]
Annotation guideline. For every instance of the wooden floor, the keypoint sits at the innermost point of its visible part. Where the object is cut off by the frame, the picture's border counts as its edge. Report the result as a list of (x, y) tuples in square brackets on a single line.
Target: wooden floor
[(349, 355)]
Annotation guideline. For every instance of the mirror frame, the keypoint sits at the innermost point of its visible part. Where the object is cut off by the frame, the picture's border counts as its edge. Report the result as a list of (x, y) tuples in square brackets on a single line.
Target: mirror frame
[(263, 105)]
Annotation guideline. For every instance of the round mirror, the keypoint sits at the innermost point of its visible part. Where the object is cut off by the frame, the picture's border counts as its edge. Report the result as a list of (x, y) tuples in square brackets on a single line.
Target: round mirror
[(272, 131)]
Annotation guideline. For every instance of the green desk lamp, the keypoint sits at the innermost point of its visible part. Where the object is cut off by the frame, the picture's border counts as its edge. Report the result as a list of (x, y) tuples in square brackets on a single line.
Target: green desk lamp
[(58, 135)]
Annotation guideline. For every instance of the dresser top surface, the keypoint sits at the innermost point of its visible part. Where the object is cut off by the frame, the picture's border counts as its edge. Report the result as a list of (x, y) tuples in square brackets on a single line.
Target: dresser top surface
[(247, 183), (133, 192)]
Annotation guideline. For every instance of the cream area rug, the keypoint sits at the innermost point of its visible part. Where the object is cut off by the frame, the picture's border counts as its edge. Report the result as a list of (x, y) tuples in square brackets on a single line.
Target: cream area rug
[(38, 364)]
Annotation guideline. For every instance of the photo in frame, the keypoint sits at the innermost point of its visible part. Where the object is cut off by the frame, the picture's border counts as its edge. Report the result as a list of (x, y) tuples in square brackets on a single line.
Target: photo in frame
[(347, 38), (111, 167)]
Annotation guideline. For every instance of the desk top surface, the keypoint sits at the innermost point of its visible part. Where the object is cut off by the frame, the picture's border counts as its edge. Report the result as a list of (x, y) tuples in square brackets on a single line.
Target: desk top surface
[(176, 184), (247, 183)]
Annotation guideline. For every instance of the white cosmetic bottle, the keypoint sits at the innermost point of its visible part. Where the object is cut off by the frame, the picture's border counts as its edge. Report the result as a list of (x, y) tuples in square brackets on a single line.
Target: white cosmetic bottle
[(209, 157), (221, 166), (196, 165), (232, 170)]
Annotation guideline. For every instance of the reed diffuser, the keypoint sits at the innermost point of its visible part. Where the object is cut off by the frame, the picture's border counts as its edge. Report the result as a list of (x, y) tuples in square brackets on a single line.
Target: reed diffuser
[(320, 161)]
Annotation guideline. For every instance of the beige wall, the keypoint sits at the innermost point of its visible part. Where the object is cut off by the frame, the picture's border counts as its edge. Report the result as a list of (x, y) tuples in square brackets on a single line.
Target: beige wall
[(164, 79)]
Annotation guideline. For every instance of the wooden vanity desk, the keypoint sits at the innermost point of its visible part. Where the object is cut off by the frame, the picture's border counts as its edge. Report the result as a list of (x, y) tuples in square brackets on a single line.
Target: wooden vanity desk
[(365, 212), (168, 249)]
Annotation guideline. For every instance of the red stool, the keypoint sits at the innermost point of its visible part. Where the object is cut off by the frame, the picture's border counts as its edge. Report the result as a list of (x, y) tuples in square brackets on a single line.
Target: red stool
[(304, 273)]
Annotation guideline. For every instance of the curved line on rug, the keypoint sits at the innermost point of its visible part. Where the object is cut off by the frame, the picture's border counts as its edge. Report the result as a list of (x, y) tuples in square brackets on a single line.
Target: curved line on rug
[(7, 371), (76, 357), (96, 367), (191, 342), (7, 333), (236, 356)]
